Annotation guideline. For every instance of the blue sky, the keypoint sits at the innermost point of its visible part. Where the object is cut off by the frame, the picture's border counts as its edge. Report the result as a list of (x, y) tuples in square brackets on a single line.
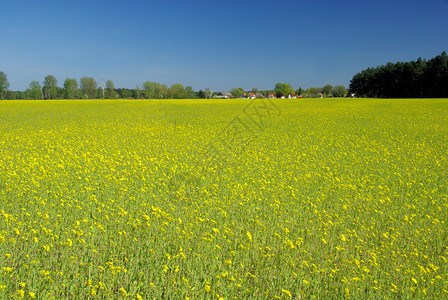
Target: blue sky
[(215, 44)]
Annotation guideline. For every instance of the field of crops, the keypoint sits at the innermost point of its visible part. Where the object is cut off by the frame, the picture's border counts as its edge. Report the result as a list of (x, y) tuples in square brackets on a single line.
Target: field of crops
[(224, 199)]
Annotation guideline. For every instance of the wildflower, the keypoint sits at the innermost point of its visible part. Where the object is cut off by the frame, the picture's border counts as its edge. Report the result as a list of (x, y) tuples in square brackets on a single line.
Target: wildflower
[(123, 292), (249, 235), (287, 293)]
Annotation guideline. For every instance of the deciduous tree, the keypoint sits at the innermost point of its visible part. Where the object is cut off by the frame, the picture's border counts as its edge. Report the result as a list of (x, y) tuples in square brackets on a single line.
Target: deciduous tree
[(340, 91), (71, 88), (50, 84), (138, 92), (4, 84), (88, 87), (237, 92), (283, 89), (313, 91), (10, 95), (177, 91), (327, 90), (110, 89), (155, 90), (208, 93), (35, 90), (190, 92)]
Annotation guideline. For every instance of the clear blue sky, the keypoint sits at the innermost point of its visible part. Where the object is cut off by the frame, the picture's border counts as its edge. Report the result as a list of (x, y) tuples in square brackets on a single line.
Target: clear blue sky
[(215, 44)]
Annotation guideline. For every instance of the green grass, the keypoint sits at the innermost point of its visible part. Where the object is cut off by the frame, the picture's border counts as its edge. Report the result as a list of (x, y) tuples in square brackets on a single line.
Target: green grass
[(195, 199)]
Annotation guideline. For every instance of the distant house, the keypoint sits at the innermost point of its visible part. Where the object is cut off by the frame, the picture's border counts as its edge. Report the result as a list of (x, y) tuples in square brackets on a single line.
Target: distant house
[(224, 95), (272, 95), (294, 96), (248, 96)]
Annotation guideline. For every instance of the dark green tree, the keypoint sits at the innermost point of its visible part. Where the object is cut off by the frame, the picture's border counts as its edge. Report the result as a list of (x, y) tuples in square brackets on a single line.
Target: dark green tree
[(201, 94), (419, 78)]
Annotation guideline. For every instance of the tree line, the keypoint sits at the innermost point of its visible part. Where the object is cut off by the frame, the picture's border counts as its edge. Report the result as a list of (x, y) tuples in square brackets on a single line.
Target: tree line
[(414, 79), (89, 88)]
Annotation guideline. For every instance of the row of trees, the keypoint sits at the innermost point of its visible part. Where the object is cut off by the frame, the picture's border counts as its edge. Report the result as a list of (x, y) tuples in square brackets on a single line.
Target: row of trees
[(88, 88), (414, 79)]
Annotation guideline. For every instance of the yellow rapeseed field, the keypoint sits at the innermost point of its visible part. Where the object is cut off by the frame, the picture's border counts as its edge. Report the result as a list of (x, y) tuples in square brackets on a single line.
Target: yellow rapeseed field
[(224, 199)]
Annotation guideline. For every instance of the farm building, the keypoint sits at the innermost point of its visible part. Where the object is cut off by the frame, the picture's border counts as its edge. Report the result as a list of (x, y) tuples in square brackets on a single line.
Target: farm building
[(224, 95)]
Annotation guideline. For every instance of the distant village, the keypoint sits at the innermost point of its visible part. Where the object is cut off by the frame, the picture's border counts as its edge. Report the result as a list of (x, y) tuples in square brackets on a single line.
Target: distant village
[(228, 95)]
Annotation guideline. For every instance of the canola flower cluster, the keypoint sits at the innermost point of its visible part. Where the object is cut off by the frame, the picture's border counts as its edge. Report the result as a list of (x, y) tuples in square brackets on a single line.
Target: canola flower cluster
[(342, 198)]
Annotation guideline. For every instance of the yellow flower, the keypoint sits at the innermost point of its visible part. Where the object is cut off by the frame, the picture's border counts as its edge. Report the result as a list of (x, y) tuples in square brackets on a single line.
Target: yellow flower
[(249, 235), (123, 291), (287, 293)]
